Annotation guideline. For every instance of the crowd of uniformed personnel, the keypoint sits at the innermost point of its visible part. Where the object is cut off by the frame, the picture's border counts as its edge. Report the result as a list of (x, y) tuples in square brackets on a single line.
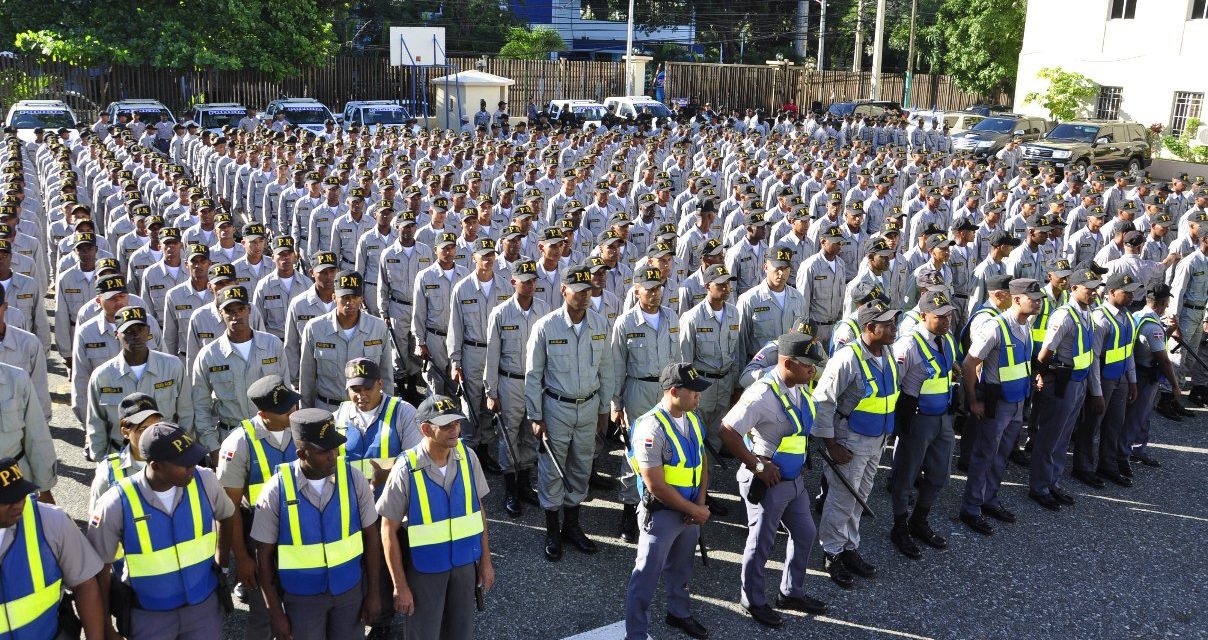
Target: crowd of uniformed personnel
[(295, 356)]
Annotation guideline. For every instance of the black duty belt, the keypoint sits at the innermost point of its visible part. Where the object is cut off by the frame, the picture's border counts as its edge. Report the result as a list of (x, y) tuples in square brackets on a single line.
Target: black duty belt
[(569, 400), (1197, 307), (509, 374), (475, 343), (712, 376), (648, 378), (329, 401), (439, 333), (399, 300)]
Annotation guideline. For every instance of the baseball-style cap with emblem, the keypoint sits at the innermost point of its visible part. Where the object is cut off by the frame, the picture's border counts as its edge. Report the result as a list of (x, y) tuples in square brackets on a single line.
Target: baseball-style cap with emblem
[(167, 443), (205, 203), (110, 286), (577, 278), (197, 250), (283, 243), (595, 264), (608, 237), (405, 218), (524, 271), (552, 234), (316, 427), (875, 311), (223, 219), (1163, 219), (85, 238), (438, 410), (127, 317), (360, 372), (658, 250), (833, 233), (1085, 277), (484, 246), (930, 280), (106, 265), (349, 283), (796, 345), (757, 220), (271, 395), (1061, 268), (445, 239), (891, 228), (1025, 287), (253, 230), (324, 260), (879, 247), (169, 234), (710, 247), (648, 278), (999, 282), (1096, 211), (780, 256), (1003, 238), (682, 375), (220, 272), (1123, 281), (939, 241), (718, 274), (14, 487), (137, 407), (935, 302), (232, 295)]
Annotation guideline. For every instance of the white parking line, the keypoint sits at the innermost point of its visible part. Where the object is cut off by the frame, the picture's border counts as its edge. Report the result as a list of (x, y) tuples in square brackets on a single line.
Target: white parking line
[(607, 632)]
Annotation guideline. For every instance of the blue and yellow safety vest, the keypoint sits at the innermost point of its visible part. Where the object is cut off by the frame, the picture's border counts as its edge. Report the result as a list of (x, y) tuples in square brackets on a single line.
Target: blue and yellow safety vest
[(683, 471), (364, 448), (444, 530), (1083, 355), (262, 460), (1118, 344), (790, 453), (936, 392), (319, 552), (873, 415), (1014, 364), (31, 582)]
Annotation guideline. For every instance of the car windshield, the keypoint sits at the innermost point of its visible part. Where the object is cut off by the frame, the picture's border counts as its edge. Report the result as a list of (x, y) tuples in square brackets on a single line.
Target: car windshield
[(655, 109), (390, 114), (218, 118), (995, 125), (842, 108), (305, 114), (45, 118), (1076, 132), (147, 114), (588, 112)]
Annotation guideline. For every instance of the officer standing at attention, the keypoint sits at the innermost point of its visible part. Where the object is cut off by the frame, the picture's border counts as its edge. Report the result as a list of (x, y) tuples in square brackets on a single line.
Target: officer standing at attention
[(772, 307), (399, 263), (923, 419), (342, 334), (138, 413), (643, 338), (317, 547), (136, 368), (674, 472), (1063, 366), (821, 280), (227, 367), (249, 456), (566, 391), (860, 386), (430, 317), (999, 359), (1152, 361), (378, 427), (48, 554), (316, 301), (710, 342), (433, 500), (508, 330), (774, 418), (172, 521)]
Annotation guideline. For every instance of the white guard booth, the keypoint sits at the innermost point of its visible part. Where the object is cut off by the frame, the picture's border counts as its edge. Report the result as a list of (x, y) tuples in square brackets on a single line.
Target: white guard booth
[(457, 96)]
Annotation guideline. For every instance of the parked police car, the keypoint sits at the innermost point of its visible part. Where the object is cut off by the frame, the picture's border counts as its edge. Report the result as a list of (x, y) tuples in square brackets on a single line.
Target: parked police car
[(50, 115), (307, 113), (213, 116)]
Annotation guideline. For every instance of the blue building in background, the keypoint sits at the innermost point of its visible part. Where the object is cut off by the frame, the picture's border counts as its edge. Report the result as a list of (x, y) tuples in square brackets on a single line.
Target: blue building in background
[(589, 36)]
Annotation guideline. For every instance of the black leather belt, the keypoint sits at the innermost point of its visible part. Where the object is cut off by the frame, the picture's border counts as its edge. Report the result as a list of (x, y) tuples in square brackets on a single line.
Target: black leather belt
[(648, 379), (396, 299), (712, 376), (509, 374), (334, 403), (439, 333), (961, 295), (475, 343), (1197, 307), (569, 400)]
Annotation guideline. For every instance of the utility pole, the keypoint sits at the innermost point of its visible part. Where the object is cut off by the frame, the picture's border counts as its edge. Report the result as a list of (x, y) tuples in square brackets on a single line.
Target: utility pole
[(914, 14), (803, 26), (855, 57), (822, 36), (878, 49), (629, 52)]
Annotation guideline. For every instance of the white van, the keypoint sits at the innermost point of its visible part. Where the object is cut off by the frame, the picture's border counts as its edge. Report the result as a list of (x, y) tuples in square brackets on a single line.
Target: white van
[(589, 111), (631, 106)]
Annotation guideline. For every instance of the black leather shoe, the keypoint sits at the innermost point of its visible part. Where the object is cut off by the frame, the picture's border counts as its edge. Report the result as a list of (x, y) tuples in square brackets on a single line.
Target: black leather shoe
[(629, 523), (899, 535), (858, 566), (603, 483), (923, 531), (1145, 459), (379, 632), (1062, 496), (1183, 411), (716, 507), (978, 523), (839, 573), (488, 463), (962, 465), (511, 501), (1167, 409), (801, 603), (553, 536), (688, 625), (1125, 469), (1089, 478), (1020, 458), (1115, 477), (766, 616), (1045, 500), (999, 513)]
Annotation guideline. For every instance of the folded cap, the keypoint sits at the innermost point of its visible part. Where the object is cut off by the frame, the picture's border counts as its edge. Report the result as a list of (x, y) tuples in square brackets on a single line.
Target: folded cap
[(316, 427), (168, 443), (137, 407), (682, 375), (270, 394)]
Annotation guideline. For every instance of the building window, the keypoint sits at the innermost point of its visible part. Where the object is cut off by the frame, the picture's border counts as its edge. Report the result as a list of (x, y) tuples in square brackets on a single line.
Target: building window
[(1186, 106), (1124, 9), (1199, 10), (1108, 107)]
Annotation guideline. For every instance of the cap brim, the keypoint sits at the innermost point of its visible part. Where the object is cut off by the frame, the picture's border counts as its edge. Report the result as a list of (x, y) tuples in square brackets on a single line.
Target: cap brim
[(1092, 284), (942, 310), (579, 286), (109, 294), (699, 384), (350, 292), (358, 381), (189, 457), (127, 324), (1062, 273), (884, 317), (141, 416), (1131, 288), (445, 419), (332, 441), (780, 263), (291, 399), (17, 492)]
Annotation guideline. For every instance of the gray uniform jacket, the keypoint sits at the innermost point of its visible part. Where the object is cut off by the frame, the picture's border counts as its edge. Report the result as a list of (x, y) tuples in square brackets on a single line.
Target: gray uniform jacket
[(326, 349), (272, 300), (163, 379), (24, 432), (508, 330), (714, 347), (221, 377), (19, 348), (763, 319), (302, 310), (570, 364), (431, 297), (640, 351), (822, 283)]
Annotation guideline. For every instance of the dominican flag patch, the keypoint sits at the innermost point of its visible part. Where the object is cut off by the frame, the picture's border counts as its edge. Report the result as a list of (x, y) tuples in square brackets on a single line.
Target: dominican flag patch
[(95, 521), (228, 454), (649, 442)]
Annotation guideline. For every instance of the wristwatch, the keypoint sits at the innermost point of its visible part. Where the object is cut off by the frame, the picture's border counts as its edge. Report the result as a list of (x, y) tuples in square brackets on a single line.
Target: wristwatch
[(759, 467)]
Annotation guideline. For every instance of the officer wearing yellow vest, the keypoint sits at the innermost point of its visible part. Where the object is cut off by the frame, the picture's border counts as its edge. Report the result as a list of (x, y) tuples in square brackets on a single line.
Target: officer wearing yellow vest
[(999, 359), (379, 427), (247, 459), (41, 554), (1062, 369), (767, 431), (857, 395), (433, 505), (138, 411), (926, 359), (669, 457), (318, 553), (1056, 294), (171, 520)]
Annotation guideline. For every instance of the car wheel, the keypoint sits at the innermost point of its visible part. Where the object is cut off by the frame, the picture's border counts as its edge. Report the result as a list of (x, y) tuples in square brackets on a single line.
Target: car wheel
[(1134, 166)]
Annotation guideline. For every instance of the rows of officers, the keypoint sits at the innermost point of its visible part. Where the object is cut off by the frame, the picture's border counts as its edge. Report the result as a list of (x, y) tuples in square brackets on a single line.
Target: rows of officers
[(697, 293)]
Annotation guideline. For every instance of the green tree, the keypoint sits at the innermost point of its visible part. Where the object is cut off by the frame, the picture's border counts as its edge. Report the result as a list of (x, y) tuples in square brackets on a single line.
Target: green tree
[(977, 42), (1067, 94), (531, 44)]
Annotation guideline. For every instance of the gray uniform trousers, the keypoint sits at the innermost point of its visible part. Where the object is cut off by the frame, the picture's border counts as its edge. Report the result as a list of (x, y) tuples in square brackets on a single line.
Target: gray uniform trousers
[(787, 502), (714, 403), (1109, 426), (201, 621), (571, 430), (926, 447), (473, 360), (637, 397), (438, 357), (839, 528), (666, 547), (520, 431), (1136, 418), (1191, 325), (406, 363), (324, 616), (993, 439), (444, 604), (1055, 425)]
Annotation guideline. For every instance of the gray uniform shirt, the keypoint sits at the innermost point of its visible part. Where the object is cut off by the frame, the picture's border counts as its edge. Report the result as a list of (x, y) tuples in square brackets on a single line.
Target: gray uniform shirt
[(19, 348), (24, 432), (469, 307), (821, 283), (302, 310), (235, 461), (985, 342), (396, 271), (272, 300), (508, 330), (163, 379), (221, 377), (713, 346), (431, 298), (326, 349), (1062, 335), (764, 319), (569, 363), (1100, 345), (841, 388)]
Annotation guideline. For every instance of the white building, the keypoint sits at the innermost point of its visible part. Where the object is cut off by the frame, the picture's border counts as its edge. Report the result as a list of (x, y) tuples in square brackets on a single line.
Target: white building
[(589, 35), (1148, 56)]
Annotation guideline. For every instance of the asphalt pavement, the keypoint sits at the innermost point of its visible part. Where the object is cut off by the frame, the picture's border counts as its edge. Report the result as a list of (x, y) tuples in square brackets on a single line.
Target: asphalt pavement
[(1120, 564)]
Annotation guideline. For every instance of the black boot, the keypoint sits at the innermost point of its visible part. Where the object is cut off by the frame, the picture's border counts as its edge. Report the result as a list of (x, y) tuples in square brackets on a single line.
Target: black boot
[(553, 536), (484, 458), (899, 535), (629, 523), (1166, 407), (524, 487), (511, 501), (919, 528), (573, 533)]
